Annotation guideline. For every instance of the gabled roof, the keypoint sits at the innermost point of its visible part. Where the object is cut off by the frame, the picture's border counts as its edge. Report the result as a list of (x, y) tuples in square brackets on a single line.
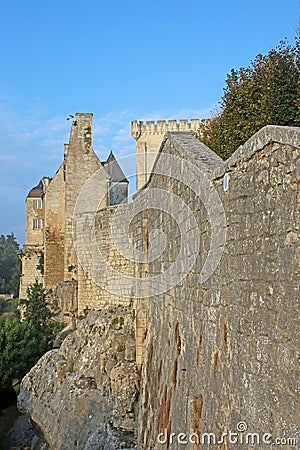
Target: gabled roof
[(112, 167), (37, 191)]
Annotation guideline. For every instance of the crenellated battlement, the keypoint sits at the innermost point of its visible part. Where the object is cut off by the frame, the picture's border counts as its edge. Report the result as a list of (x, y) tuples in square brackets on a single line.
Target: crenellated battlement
[(138, 128)]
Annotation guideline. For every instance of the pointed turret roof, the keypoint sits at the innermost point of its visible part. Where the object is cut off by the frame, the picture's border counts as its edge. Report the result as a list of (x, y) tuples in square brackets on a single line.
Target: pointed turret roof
[(112, 167)]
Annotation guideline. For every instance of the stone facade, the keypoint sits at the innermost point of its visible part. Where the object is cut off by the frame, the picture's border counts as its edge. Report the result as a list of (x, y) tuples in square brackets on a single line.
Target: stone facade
[(210, 271), (224, 351), (93, 295), (219, 350), (80, 164), (54, 230), (48, 254), (32, 252)]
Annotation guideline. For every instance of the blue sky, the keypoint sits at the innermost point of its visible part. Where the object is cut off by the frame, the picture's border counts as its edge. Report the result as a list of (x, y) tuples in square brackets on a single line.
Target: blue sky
[(122, 60)]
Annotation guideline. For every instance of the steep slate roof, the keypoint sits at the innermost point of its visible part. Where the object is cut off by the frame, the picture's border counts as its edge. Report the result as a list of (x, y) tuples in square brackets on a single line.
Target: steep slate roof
[(37, 191), (112, 167)]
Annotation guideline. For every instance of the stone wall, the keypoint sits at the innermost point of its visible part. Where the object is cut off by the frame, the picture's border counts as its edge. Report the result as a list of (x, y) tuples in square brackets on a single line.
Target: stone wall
[(34, 236), (31, 268), (207, 259), (66, 297), (219, 350), (224, 351), (55, 229), (94, 252), (81, 163), (32, 252), (106, 275)]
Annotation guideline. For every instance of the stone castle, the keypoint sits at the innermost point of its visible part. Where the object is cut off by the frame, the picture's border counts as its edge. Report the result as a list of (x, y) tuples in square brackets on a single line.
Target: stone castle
[(48, 253), (186, 322)]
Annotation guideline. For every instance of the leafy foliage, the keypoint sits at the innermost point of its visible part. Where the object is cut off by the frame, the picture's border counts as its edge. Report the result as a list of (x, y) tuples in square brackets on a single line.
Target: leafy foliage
[(266, 92), (23, 343), (10, 266), (36, 308)]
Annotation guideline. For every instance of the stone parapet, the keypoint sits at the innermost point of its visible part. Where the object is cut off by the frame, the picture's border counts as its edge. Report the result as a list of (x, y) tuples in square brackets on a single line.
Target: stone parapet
[(139, 128)]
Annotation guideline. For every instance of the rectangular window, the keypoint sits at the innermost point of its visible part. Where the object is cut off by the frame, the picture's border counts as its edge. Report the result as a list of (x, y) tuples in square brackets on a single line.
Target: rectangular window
[(37, 203), (37, 224)]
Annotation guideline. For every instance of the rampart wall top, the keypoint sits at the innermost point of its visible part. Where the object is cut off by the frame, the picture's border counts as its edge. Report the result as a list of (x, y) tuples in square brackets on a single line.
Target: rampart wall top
[(139, 128), (268, 134)]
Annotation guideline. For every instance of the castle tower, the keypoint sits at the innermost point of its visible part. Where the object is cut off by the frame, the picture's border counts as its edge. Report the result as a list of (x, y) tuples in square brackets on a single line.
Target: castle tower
[(32, 252), (149, 137), (81, 163)]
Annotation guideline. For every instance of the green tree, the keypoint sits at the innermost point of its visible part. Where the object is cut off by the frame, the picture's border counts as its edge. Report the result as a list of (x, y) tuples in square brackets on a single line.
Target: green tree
[(265, 93), (23, 343), (10, 266), (21, 346), (37, 311)]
